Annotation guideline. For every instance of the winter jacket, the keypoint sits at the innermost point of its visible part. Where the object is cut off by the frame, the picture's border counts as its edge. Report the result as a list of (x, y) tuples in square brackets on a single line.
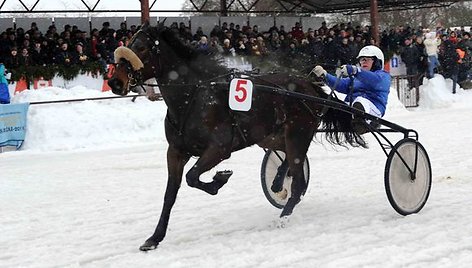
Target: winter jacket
[(12, 62), (297, 33), (316, 51), (39, 57), (432, 46), (64, 58), (346, 54), (373, 86), (4, 94), (331, 54), (465, 44), (449, 59), (3, 80), (410, 55)]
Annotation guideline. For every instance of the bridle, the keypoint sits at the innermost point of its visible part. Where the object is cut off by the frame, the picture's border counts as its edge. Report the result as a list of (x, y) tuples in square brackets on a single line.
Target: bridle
[(135, 77)]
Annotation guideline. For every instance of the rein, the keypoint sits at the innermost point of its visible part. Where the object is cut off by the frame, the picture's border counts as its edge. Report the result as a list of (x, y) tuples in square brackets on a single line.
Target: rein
[(332, 94), (230, 74)]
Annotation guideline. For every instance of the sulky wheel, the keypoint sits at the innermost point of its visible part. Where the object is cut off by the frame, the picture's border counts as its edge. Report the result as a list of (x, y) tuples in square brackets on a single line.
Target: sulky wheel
[(274, 171), (408, 181)]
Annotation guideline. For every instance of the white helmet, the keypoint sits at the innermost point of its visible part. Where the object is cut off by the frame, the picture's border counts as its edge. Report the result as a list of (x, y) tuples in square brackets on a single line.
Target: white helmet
[(373, 51)]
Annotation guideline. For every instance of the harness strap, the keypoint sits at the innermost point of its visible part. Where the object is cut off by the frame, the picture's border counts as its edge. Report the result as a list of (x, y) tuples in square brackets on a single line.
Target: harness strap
[(172, 124), (237, 126), (351, 90), (187, 110), (180, 128)]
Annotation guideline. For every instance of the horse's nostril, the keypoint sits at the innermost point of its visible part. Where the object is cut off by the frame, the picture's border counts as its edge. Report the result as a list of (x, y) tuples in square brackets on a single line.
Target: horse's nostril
[(116, 86)]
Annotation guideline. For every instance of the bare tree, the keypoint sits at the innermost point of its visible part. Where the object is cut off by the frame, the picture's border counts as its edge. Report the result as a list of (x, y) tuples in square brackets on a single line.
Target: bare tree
[(236, 6), (457, 14)]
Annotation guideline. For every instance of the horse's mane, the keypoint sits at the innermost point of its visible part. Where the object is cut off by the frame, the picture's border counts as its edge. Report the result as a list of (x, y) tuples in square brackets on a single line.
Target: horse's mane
[(201, 63), (171, 37), (213, 64)]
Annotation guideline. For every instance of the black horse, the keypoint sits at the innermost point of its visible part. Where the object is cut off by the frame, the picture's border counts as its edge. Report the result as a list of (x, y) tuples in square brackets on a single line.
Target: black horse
[(200, 123)]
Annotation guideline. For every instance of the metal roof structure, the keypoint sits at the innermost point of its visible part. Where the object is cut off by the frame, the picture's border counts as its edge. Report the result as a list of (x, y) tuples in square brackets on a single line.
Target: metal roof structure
[(236, 6), (361, 6)]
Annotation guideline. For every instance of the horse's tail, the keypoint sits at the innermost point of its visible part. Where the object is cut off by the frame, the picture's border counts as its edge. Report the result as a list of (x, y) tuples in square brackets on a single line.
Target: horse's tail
[(337, 126)]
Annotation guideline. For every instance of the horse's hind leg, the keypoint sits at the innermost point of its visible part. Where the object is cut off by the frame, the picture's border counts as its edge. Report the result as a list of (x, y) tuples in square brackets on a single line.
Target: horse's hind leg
[(176, 161), (209, 159), (297, 143)]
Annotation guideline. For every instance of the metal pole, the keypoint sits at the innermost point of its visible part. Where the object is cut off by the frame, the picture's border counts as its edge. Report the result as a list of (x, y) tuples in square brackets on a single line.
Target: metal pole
[(90, 25), (145, 11), (223, 8), (134, 96), (374, 21)]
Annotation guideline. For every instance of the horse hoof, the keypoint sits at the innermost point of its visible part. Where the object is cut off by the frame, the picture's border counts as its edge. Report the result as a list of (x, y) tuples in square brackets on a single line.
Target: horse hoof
[(212, 191), (282, 194), (220, 179), (148, 245), (276, 188), (222, 176)]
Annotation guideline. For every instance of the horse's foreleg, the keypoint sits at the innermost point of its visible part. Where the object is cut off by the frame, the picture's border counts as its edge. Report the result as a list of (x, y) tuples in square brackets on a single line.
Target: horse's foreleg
[(278, 182), (175, 165), (208, 160), (298, 186), (297, 144)]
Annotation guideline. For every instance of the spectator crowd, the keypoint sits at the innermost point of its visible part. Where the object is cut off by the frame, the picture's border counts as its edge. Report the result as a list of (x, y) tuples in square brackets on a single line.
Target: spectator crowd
[(68, 47), (423, 51)]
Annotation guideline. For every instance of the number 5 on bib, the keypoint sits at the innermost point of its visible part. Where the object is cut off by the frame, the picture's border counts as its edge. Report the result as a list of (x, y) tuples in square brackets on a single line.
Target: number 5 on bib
[(240, 94)]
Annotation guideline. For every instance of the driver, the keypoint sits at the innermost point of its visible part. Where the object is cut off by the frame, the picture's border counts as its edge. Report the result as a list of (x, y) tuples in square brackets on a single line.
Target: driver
[(371, 84)]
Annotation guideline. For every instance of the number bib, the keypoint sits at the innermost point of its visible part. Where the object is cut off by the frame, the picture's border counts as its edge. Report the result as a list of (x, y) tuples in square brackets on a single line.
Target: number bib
[(240, 94)]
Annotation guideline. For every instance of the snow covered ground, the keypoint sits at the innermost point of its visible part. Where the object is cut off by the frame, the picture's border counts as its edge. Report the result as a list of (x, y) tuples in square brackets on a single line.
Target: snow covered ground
[(87, 188)]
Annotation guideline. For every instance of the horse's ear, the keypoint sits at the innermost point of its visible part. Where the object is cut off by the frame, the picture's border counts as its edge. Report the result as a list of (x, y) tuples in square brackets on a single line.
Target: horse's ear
[(145, 25), (160, 25)]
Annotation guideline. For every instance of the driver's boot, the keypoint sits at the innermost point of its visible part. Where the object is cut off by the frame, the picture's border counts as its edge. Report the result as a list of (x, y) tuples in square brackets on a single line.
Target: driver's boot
[(358, 122)]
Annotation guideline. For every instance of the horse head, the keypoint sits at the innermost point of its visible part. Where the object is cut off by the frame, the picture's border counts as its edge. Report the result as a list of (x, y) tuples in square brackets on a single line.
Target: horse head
[(137, 62)]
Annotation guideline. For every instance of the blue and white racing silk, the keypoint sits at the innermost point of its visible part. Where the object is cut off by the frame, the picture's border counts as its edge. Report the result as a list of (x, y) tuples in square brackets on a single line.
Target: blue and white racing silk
[(371, 86)]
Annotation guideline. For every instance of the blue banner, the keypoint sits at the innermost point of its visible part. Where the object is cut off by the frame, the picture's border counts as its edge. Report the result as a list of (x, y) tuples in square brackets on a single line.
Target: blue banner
[(13, 124)]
